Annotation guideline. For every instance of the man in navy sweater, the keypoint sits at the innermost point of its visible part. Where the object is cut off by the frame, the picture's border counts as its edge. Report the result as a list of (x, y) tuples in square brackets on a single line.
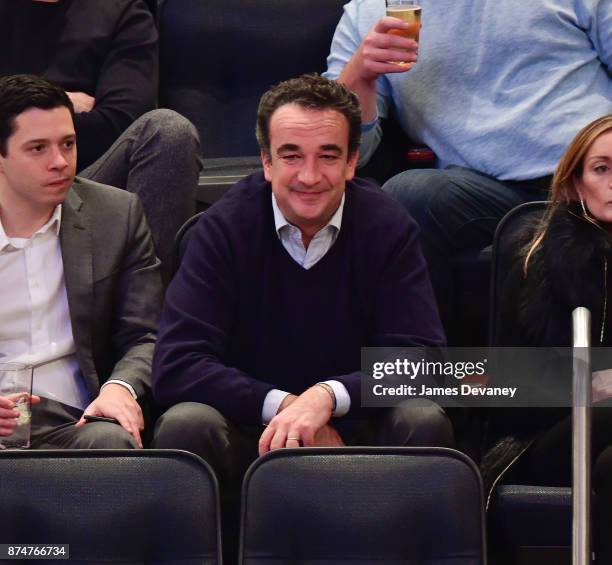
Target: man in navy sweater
[(285, 279)]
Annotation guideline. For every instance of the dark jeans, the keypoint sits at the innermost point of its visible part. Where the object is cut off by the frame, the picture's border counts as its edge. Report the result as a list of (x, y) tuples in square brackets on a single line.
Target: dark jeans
[(457, 209)]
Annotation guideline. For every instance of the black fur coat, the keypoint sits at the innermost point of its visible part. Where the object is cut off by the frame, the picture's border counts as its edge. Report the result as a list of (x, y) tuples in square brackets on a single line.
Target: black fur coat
[(567, 271)]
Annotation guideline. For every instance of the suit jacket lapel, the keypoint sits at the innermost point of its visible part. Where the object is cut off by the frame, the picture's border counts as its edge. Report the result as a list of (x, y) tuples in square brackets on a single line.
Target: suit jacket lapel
[(76, 244)]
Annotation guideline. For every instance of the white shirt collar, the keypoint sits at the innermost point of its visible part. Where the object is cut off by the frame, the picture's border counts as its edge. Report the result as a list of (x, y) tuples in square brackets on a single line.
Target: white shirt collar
[(280, 221), (54, 223)]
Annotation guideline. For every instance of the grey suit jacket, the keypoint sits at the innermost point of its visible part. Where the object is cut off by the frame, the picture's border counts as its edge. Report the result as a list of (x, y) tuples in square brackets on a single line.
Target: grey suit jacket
[(113, 284)]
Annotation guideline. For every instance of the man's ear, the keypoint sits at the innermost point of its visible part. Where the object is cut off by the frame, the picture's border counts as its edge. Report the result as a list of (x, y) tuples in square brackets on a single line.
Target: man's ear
[(266, 162), (351, 165)]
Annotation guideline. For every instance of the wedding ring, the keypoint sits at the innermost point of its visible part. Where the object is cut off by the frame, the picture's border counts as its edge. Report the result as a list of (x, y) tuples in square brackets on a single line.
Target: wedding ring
[(293, 438)]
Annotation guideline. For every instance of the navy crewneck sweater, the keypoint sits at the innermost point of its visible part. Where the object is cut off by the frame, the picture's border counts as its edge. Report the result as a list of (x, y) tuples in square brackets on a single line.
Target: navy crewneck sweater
[(242, 317)]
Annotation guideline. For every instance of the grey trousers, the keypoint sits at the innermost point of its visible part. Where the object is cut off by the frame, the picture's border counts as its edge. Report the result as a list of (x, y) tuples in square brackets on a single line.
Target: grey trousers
[(53, 427), (158, 157)]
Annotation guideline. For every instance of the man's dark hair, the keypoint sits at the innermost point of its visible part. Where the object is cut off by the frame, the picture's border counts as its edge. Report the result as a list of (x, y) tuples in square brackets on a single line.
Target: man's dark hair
[(19, 93), (314, 92)]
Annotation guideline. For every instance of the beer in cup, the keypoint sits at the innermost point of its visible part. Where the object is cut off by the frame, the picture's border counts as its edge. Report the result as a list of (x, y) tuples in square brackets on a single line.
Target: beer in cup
[(408, 11)]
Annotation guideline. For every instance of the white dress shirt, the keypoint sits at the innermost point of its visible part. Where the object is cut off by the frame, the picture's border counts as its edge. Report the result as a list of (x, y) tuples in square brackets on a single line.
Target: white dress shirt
[(321, 243), (35, 327)]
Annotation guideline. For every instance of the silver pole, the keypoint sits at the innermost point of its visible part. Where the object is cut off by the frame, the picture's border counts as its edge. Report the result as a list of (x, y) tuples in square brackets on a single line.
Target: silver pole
[(581, 437)]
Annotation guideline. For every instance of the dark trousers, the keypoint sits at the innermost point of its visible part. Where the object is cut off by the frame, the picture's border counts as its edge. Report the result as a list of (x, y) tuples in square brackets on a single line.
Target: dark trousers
[(229, 448), (53, 427), (157, 157), (457, 209), (548, 462)]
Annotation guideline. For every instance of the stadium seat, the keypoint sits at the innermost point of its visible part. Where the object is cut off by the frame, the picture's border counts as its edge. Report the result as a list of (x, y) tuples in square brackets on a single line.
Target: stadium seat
[(326, 506), (112, 506), (528, 524), (531, 524), (503, 256), (182, 239), (218, 57)]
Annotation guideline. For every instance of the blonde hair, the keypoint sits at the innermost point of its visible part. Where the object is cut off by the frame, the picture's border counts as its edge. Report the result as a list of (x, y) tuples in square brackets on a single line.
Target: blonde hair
[(563, 189)]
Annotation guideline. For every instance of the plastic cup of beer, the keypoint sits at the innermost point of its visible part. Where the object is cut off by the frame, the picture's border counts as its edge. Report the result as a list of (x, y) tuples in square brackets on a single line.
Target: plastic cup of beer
[(408, 11), (16, 384)]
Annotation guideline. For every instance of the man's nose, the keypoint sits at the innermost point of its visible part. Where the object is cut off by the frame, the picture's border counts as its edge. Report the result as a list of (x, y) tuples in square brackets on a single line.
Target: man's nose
[(58, 159), (309, 173)]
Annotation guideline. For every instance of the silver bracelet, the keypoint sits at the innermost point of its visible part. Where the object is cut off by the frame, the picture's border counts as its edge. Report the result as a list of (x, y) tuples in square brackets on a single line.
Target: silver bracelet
[(331, 392)]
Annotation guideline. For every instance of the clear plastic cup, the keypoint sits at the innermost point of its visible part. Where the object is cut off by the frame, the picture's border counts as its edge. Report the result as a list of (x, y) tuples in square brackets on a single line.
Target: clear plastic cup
[(16, 384), (408, 11)]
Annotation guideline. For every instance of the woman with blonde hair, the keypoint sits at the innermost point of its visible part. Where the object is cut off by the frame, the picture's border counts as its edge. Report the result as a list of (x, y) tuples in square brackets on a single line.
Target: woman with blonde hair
[(563, 262)]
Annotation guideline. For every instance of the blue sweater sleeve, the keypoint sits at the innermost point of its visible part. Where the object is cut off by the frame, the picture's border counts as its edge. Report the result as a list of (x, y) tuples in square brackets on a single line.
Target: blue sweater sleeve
[(347, 38)]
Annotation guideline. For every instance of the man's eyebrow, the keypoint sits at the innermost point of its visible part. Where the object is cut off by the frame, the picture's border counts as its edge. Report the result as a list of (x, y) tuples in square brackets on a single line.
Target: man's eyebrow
[(293, 147), (41, 140), (46, 140), (288, 147), (331, 147)]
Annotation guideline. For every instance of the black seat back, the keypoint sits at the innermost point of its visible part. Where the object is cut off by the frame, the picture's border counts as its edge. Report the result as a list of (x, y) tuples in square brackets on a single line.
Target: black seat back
[(217, 57), (112, 506), (326, 506), (503, 256), (528, 524), (182, 239)]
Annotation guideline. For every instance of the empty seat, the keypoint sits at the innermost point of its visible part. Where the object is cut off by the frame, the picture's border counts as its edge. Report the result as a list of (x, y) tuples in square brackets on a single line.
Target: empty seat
[(324, 506), (112, 506)]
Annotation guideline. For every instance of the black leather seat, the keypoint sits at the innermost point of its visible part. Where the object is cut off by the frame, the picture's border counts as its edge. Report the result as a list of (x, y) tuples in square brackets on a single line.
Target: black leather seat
[(528, 523), (182, 239), (531, 524), (503, 256), (112, 506), (325, 506), (218, 57)]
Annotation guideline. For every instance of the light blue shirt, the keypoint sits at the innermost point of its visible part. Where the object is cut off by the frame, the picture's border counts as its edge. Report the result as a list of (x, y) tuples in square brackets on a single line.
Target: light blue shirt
[(501, 86), (291, 237), (321, 243)]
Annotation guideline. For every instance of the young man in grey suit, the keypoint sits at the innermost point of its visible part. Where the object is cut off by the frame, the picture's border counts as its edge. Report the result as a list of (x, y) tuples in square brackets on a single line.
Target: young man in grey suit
[(79, 279)]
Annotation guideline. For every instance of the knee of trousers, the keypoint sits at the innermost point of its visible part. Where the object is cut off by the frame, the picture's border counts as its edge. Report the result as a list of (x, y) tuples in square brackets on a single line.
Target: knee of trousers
[(419, 423), (192, 426), (103, 435), (170, 127), (416, 188)]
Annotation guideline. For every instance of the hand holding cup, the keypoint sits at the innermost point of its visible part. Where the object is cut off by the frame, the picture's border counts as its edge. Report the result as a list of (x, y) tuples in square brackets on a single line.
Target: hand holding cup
[(15, 405)]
